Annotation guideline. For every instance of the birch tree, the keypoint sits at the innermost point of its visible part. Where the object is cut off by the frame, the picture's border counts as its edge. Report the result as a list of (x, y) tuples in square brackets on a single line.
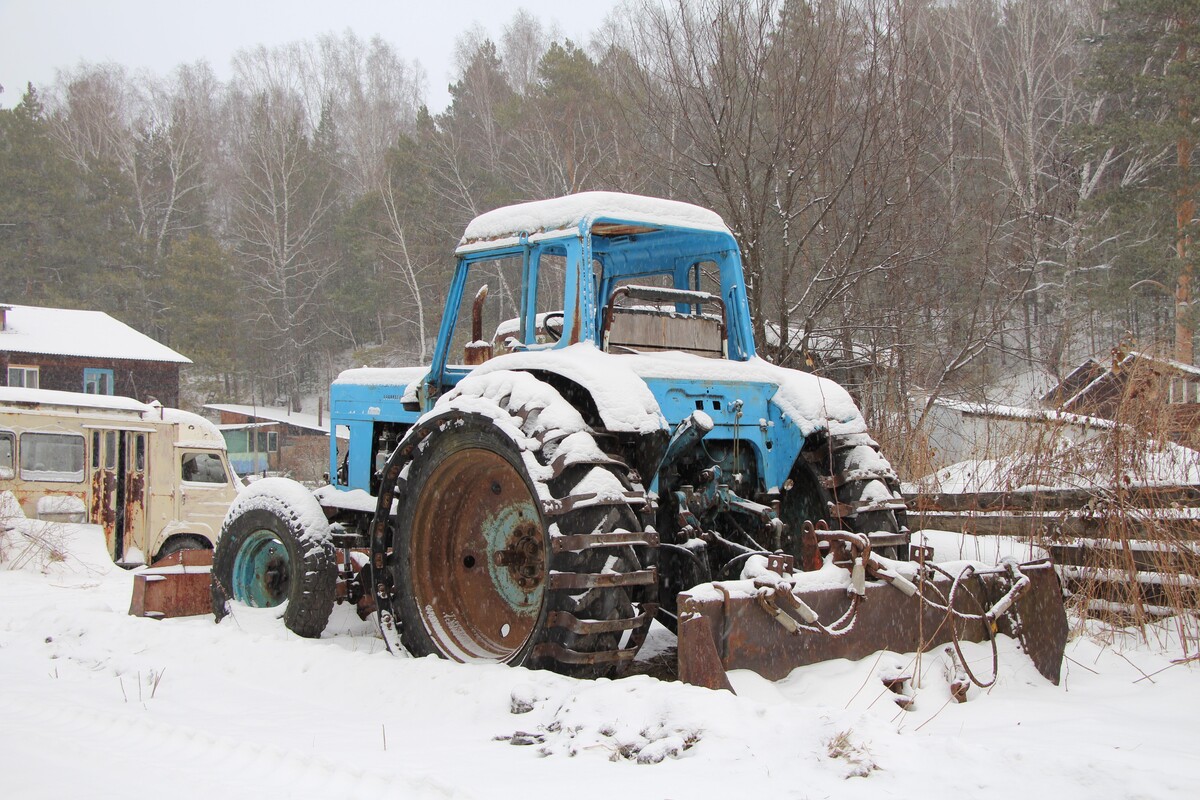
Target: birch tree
[(281, 224)]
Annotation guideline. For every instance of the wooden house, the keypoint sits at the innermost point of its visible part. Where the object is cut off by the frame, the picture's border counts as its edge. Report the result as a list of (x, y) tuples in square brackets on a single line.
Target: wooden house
[(85, 351), (1166, 393), (276, 440)]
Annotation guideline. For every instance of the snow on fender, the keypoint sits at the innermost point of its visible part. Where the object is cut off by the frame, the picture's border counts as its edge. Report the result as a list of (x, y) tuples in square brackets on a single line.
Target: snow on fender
[(276, 549)]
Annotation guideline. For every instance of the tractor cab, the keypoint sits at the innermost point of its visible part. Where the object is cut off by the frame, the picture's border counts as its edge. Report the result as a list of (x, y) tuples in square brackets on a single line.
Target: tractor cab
[(625, 273)]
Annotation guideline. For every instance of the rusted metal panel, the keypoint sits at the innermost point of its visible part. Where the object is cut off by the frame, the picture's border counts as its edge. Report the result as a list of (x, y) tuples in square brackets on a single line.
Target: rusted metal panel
[(104, 510), (175, 586), (135, 502), (745, 636), (699, 662), (1042, 622)]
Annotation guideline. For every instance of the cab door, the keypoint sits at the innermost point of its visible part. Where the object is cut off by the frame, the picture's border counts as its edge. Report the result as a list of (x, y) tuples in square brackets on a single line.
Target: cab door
[(205, 491)]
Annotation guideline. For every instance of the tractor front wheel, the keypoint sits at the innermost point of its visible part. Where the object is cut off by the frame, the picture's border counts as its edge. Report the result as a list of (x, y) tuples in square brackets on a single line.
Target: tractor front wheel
[(275, 549)]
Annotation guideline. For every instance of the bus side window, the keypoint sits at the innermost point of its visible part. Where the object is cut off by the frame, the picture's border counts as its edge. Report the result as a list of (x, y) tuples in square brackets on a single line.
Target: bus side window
[(7, 445)]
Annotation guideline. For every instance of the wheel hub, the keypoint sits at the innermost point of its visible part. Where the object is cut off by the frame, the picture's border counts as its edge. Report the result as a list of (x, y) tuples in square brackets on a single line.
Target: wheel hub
[(261, 571), (478, 557), (524, 556)]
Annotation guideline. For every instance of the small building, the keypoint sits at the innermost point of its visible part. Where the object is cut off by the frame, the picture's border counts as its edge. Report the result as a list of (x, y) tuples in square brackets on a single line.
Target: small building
[(85, 351), (959, 431), (263, 439), (1167, 393)]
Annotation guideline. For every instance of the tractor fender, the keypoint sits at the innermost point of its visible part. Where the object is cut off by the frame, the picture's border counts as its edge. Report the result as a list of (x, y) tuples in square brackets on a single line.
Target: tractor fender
[(811, 402), (623, 401)]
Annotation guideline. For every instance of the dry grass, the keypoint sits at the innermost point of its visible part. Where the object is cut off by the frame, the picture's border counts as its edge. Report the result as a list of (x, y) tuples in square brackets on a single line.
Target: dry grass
[(38, 545), (1150, 565), (857, 756), (1131, 550)]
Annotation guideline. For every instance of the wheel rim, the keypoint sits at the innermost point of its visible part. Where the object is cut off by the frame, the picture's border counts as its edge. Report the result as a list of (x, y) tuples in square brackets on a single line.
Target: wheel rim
[(478, 558), (261, 571)]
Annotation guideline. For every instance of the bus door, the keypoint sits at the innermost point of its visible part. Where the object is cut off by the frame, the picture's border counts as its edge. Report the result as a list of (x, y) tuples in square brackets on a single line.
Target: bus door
[(118, 482)]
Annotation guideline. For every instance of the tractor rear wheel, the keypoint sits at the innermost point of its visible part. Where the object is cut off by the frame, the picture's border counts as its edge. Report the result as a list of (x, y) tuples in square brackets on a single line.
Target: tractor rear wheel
[(847, 482), (504, 555), (477, 552)]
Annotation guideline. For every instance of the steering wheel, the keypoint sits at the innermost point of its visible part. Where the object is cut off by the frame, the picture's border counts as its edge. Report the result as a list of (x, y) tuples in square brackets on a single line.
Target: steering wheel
[(554, 332)]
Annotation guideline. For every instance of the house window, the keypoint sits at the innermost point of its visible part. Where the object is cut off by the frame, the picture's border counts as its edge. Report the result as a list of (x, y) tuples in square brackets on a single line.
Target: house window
[(97, 381), (268, 441), (1183, 390), (54, 457), (24, 377)]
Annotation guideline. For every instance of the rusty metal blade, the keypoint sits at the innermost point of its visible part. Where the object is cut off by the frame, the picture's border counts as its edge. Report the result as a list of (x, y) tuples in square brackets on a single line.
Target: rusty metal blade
[(743, 636), (699, 663), (175, 586), (1042, 621)]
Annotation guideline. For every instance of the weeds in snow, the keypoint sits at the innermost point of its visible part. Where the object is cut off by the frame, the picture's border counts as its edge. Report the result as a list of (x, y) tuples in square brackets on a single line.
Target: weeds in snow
[(857, 756), (37, 544)]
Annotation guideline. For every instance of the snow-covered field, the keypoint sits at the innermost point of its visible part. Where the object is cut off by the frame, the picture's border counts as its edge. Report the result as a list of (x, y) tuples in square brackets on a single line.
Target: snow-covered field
[(97, 704)]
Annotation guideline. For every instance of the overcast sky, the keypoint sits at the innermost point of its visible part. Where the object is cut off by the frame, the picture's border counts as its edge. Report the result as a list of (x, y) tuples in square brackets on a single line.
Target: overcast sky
[(39, 36)]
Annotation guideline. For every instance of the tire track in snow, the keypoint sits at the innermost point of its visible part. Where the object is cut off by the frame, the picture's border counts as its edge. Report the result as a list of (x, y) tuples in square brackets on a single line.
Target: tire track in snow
[(191, 762)]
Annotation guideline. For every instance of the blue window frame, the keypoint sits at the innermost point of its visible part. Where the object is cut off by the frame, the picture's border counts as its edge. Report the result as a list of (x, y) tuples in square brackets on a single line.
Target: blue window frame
[(97, 381)]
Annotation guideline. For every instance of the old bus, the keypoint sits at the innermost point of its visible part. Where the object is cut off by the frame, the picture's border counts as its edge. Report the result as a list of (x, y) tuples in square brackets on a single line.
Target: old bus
[(156, 479)]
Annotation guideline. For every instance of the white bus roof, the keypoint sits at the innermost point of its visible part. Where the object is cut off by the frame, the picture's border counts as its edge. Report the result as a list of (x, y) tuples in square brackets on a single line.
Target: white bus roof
[(48, 397)]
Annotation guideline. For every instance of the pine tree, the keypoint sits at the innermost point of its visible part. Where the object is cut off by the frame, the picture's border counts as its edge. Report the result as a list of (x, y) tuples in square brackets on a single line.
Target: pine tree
[(46, 226), (1146, 67)]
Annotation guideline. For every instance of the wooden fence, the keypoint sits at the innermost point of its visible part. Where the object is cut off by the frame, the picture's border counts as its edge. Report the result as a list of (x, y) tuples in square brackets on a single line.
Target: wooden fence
[(1136, 551)]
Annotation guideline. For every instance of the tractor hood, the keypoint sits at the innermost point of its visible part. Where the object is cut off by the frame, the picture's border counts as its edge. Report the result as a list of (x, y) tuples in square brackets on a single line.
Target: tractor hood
[(627, 388)]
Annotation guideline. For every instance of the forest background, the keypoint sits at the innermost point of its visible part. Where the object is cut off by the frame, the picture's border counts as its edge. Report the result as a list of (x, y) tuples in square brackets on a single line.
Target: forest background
[(929, 196)]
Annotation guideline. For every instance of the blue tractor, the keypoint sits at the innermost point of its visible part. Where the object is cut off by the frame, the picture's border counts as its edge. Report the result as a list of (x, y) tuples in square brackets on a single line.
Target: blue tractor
[(597, 445)]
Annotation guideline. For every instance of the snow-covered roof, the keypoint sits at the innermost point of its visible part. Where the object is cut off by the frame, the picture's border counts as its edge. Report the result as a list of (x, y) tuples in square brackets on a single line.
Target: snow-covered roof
[(575, 211), (68, 332), (1170, 363), (283, 415), (106, 402), (194, 430), (1000, 411)]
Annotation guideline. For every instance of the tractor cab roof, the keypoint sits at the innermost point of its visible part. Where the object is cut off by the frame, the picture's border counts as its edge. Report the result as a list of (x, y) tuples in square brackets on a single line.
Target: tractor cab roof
[(607, 214)]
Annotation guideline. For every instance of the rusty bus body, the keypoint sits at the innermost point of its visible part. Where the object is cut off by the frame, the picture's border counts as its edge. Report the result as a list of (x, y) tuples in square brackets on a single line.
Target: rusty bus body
[(157, 480)]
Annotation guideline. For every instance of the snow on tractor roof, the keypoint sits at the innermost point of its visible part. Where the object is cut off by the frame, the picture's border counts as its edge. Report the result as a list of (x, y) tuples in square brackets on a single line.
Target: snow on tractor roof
[(570, 214)]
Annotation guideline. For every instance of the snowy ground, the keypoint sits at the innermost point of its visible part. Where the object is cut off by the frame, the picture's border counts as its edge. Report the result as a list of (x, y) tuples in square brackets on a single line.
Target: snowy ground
[(97, 704)]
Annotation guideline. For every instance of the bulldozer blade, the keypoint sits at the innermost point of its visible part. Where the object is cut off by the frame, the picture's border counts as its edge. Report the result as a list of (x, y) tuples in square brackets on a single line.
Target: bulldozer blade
[(174, 586), (730, 625)]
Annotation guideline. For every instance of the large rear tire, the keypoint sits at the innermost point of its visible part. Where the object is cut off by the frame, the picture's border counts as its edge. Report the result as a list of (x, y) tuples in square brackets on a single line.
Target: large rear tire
[(845, 481), (275, 548), (505, 554)]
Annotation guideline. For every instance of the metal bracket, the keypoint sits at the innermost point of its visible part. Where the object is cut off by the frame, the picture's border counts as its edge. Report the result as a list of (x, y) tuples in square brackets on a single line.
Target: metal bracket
[(781, 564)]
